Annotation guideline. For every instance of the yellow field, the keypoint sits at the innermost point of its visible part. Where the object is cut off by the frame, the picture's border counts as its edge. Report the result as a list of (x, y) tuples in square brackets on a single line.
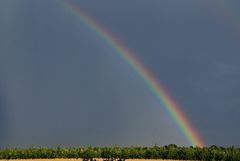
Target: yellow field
[(80, 160)]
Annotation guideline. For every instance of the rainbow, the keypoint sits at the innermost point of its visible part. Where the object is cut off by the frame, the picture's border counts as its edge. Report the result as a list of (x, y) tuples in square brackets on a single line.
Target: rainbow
[(159, 92)]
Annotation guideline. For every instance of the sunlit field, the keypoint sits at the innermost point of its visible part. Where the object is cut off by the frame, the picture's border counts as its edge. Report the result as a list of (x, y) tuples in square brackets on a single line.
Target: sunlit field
[(155, 153), (81, 160)]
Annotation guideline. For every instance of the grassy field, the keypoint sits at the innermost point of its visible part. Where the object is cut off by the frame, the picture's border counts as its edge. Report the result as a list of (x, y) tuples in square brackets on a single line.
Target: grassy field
[(139, 153), (81, 160)]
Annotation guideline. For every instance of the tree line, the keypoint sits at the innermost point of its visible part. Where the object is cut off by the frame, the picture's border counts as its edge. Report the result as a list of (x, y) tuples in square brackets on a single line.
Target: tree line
[(172, 151)]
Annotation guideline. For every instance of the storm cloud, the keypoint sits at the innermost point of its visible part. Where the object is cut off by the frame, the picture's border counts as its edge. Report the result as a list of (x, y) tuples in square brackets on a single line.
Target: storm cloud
[(62, 85)]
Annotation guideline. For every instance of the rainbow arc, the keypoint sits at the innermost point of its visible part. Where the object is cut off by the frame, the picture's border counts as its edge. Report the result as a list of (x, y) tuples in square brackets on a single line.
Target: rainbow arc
[(130, 58)]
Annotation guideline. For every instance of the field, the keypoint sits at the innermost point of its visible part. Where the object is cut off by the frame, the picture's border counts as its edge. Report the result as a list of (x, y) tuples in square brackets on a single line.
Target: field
[(155, 153), (81, 160)]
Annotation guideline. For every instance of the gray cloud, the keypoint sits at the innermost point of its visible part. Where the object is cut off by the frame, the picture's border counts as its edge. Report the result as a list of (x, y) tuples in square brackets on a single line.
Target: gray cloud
[(62, 85)]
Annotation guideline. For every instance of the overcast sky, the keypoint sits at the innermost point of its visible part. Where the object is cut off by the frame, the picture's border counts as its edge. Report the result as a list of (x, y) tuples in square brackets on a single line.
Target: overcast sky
[(62, 85)]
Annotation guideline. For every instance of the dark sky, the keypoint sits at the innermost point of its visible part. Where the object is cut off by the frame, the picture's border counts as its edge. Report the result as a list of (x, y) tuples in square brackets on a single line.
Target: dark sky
[(62, 85)]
